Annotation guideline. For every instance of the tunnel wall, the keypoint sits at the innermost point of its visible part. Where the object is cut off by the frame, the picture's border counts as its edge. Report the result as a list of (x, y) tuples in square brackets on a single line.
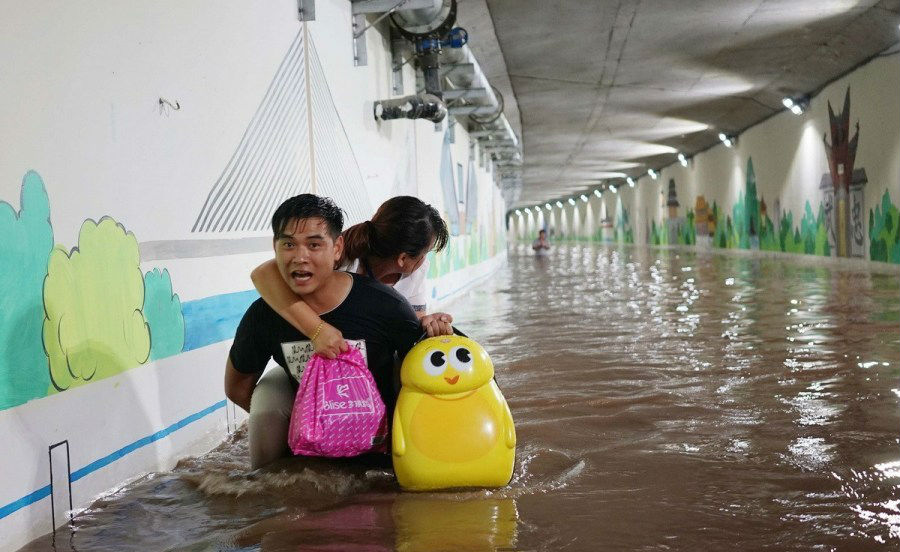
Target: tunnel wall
[(774, 191), (145, 147)]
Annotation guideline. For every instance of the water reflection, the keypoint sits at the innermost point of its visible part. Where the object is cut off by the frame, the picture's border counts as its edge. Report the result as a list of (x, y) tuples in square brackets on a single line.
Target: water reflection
[(433, 522), (408, 523)]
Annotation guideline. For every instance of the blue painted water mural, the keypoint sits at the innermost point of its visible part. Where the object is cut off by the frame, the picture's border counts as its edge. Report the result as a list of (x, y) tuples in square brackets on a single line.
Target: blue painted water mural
[(213, 319)]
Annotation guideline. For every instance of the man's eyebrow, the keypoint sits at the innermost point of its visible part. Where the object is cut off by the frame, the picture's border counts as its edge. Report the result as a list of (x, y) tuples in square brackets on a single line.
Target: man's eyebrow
[(290, 237)]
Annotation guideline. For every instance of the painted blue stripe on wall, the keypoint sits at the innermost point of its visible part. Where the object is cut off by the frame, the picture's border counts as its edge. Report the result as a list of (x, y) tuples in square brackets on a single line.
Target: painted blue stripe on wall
[(39, 494), (44, 492), (110, 458), (214, 319)]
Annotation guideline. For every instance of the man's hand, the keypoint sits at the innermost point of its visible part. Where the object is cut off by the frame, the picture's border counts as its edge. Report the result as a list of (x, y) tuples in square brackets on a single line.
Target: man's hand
[(437, 324), (330, 342)]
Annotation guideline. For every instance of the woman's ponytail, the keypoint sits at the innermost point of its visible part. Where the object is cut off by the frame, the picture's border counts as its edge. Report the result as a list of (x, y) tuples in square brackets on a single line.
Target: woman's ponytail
[(356, 242)]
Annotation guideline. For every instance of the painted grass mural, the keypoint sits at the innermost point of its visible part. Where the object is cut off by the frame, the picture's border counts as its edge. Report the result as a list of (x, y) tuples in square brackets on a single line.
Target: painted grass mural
[(884, 231), (69, 317), (465, 250)]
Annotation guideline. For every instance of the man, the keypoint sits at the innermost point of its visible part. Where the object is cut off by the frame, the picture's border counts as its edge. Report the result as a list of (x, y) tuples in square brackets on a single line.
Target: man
[(541, 245), (308, 243)]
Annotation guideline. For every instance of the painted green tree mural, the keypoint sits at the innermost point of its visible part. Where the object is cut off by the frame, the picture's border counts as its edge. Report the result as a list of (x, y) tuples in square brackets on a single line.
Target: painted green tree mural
[(71, 317), (659, 235), (813, 232), (687, 232), (162, 309), (93, 326), (884, 231), (26, 239)]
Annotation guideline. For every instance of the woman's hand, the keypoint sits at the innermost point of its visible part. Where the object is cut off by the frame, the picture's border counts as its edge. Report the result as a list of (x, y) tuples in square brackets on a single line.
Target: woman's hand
[(437, 324), (330, 342)]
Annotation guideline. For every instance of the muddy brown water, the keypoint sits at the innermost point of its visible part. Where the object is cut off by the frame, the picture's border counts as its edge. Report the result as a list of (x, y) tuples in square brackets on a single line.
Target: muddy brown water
[(664, 400)]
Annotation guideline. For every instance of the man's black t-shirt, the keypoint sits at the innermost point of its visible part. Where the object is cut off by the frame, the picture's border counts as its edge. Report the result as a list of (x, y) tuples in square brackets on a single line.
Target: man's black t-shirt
[(372, 312)]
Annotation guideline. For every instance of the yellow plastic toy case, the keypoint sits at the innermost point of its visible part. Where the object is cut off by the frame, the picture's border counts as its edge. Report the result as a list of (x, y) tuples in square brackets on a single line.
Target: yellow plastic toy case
[(452, 426)]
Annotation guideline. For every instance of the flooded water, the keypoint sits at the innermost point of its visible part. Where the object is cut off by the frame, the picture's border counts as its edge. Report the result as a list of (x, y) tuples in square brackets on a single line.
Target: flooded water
[(663, 400)]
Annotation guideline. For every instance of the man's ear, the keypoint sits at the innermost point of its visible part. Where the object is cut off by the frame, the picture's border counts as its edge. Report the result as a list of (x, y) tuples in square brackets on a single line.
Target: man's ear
[(338, 249)]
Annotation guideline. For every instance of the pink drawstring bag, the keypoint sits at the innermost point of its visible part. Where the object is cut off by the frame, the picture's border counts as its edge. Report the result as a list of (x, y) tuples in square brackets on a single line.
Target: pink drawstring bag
[(338, 410)]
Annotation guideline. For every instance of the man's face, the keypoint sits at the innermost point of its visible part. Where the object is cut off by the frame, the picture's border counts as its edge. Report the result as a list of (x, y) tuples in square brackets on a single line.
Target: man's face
[(542, 235), (306, 254)]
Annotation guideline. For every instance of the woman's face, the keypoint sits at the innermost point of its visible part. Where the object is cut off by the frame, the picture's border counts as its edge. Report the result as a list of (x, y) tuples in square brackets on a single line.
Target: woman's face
[(409, 264)]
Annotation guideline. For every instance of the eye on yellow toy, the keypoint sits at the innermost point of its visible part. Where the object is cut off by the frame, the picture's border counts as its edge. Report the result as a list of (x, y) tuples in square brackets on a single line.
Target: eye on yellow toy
[(452, 426)]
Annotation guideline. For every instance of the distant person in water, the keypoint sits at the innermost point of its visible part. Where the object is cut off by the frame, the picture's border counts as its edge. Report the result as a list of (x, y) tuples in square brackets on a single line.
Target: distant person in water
[(541, 245)]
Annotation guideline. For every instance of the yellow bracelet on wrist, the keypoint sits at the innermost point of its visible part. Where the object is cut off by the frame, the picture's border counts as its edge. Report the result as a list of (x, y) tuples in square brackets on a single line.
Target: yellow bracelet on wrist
[(316, 333)]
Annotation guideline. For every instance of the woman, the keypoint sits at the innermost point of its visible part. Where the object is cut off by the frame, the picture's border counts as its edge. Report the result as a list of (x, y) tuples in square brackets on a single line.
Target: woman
[(390, 248)]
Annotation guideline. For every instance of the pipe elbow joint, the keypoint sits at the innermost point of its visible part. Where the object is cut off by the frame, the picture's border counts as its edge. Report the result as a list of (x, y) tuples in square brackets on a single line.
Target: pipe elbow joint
[(421, 106)]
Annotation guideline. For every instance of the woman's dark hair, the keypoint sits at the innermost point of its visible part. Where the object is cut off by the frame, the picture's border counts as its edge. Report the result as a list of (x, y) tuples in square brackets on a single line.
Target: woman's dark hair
[(306, 206), (403, 224)]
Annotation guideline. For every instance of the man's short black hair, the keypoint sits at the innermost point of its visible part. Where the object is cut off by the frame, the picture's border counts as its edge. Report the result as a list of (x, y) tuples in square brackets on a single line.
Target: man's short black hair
[(306, 206)]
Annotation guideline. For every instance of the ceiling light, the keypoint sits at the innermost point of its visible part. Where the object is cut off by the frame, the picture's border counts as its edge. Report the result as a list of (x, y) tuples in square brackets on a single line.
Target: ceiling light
[(559, 204), (598, 193), (727, 140), (571, 201), (527, 210), (630, 182), (537, 208), (518, 212), (547, 206), (612, 189), (653, 174), (682, 159), (797, 105)]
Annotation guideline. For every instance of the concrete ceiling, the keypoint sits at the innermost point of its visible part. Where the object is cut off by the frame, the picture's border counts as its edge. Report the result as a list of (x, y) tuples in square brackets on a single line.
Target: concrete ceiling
[(620, 86)]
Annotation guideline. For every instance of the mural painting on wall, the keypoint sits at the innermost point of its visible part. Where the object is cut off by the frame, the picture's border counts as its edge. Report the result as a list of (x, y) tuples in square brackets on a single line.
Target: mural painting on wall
[(623, 232), (615, 228), (884, 231), (835, 227), (674, 229), (80, 315), (704, 222), (471, 239), (748, 226), (843, 186), (605, 227)]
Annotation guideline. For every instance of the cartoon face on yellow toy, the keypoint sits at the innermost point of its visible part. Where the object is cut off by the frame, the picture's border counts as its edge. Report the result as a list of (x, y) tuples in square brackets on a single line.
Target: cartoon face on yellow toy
[(447, 365), (452, 426)]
